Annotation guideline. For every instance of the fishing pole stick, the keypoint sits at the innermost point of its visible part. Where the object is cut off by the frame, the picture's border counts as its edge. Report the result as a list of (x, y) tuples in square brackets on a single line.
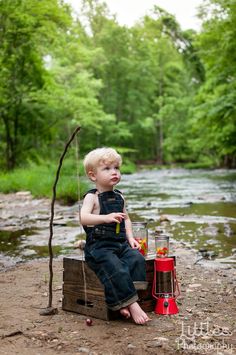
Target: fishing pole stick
[(51, 310)]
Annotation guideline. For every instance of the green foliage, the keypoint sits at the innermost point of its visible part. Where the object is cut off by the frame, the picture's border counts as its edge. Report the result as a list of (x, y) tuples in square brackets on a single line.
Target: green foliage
[(203, 162), (39, 180), (154, 91), (215, 111), (27, 30)]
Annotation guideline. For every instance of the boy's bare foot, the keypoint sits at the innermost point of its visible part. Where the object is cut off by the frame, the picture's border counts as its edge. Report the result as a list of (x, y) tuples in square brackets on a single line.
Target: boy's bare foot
[(138, 315), (125, 312)]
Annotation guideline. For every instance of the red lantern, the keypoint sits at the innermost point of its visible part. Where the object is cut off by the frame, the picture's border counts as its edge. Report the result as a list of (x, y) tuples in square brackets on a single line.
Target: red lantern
[(165, 285)]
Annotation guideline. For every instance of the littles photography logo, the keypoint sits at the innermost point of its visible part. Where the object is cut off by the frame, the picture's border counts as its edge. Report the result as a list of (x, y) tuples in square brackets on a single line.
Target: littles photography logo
[(203, 338)]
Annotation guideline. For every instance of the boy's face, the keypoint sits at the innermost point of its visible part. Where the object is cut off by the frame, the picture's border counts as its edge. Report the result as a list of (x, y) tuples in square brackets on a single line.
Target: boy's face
[(106, 174)]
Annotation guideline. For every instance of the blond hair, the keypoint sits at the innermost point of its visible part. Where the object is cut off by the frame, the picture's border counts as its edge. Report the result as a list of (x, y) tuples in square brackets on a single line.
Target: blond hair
[(101, 155)]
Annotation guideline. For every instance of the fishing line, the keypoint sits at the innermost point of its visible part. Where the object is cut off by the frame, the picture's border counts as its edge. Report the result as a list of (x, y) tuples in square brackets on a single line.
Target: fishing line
[(77, 152)]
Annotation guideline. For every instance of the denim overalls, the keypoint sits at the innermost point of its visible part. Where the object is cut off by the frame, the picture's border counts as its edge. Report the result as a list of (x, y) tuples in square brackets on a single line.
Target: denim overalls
[(120, 268)]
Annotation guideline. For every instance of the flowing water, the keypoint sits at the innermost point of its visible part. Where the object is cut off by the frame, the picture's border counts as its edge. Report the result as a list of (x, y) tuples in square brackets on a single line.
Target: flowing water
[(196, 207)]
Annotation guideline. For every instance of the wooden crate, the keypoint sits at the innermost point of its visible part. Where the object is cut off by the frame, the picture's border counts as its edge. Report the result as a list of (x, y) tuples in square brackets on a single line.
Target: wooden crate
[(78, 277)]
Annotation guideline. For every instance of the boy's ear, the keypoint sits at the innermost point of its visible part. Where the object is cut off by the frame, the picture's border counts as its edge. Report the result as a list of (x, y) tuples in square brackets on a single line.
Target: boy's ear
[(92, 175)]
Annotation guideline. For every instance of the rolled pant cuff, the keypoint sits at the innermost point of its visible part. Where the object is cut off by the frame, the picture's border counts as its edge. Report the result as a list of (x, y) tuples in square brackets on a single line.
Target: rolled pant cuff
[(124, 304), (140, 285)]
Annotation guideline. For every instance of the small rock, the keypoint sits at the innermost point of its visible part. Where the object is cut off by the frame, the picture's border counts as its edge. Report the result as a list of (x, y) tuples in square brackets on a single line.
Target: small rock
[(57, 288), (48, 311), (211, 230), (84, 350), (23, 193), (158, 230), (195, 285), (131, 346), (154, 344), (28, 252), (164, 218), (227, 230), (161, 339)]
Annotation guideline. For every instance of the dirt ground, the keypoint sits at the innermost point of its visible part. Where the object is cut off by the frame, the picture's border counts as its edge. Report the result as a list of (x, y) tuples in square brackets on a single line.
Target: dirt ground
[(205, 323)]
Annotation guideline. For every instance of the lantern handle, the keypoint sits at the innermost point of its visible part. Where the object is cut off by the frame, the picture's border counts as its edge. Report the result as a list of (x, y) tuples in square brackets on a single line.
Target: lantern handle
[(176, 285), (154, 282)]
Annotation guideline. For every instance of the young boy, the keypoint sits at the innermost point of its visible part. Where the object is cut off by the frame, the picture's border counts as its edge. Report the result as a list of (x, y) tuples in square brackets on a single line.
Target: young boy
[(111, 251)]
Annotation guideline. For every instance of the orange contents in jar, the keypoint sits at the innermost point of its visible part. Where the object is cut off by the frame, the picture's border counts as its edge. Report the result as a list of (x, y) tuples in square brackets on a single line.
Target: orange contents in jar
[(143, 245), (162, 251)]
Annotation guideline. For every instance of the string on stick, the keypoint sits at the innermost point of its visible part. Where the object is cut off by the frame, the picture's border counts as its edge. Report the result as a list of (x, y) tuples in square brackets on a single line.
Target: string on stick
[(51, 310)]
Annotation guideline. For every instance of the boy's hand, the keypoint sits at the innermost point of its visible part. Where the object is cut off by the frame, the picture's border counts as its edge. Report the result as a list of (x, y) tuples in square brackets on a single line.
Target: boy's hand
[(133, 243), (116, 217)]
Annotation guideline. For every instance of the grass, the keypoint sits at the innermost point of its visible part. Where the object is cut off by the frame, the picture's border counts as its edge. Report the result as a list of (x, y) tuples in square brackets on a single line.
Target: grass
[(128, 167), (39, 180)]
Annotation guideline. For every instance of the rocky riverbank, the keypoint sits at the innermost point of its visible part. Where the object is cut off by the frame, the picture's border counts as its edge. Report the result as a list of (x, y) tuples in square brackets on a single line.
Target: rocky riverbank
[(205, 323)]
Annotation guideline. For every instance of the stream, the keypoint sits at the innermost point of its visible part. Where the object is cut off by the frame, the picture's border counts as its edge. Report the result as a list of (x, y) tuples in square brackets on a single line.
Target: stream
[(193, 207), (198, 206)]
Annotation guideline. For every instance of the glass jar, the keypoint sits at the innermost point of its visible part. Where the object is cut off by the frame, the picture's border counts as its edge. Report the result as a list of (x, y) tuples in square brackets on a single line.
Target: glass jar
[(162, 246), (140, 233)]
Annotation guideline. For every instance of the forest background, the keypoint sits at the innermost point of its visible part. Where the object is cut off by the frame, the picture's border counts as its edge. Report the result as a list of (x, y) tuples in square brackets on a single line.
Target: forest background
[(156, 93)]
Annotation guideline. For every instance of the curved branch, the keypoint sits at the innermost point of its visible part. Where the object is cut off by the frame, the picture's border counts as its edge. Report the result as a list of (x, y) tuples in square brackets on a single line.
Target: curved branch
[(50, 309)]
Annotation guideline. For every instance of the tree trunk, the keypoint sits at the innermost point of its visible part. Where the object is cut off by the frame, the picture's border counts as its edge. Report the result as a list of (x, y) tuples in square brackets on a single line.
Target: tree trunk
[(9, 151), (159, 142), (160, 137)]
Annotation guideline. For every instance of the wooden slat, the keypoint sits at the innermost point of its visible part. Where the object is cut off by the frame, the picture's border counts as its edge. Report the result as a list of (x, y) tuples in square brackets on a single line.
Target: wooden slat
[(148, 305), (94, 309), (145, 294), (149, 264), (90, 293), (76, 273), (76, 269)]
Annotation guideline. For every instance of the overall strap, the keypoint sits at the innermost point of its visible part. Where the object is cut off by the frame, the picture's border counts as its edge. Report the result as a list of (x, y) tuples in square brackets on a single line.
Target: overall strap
[(92, 191)]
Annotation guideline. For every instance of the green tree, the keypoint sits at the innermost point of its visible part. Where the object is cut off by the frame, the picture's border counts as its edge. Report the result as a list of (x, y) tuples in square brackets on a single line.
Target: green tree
[(109, 43), (162, 88), (27, 29), (141, 70), (214, 119)]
